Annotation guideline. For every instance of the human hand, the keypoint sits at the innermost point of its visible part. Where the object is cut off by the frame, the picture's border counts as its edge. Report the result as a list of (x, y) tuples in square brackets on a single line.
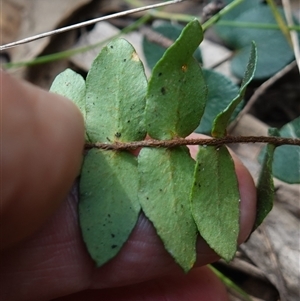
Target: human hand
[(43, 256)]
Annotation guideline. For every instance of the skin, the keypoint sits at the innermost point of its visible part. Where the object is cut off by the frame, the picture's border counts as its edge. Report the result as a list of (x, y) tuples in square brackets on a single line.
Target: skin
[(42, 254)]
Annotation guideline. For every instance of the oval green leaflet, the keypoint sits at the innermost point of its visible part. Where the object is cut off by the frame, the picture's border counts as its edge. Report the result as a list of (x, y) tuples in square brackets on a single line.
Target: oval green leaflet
[(108, 202), (116, 88), (71, 85), (222, 120), (177, 92), (215, 200), (166, 177)]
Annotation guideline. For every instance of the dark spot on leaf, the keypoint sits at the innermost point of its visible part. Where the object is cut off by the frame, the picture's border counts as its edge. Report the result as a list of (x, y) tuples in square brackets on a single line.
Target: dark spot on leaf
[(108, 139), (147, 198), (159, 74), (112, 235), (128, 121), (163, 90), (118, 135), (124, 60), (113, 246), (88, 229), (111, 46), (108, 215), (104, 225), (160, 189)]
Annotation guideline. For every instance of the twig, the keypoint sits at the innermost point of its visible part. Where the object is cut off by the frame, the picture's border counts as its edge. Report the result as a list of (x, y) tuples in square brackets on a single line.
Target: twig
[(260, 91), (277, 141), (156, 38), (82, 24), (294, 36), (210, 9), (221, 13)]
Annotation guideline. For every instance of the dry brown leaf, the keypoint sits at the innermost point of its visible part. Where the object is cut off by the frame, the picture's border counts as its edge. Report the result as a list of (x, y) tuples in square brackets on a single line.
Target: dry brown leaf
[(9, 21), (40, 16), (275, 250), (274, 247), (102, 32)]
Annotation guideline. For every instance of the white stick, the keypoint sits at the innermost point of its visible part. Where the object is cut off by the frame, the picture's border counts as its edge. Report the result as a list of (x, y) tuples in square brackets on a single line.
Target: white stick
[(294, 35), (82, 24)]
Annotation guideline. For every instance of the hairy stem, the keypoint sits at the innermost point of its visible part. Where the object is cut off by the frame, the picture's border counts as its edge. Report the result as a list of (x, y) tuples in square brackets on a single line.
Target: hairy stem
[(277, 141)]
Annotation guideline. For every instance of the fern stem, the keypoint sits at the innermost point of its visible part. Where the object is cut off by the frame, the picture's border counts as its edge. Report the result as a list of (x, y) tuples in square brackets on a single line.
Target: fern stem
[(214, 19), (277, 141)]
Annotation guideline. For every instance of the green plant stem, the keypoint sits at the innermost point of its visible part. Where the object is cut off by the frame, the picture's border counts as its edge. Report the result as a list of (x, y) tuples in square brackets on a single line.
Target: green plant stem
[(68, 53), (214, 19), (230, 284), (172, 16), (255, 25), (134, 3), (188, 18), (277, 141), (158, 13), (280, 21)]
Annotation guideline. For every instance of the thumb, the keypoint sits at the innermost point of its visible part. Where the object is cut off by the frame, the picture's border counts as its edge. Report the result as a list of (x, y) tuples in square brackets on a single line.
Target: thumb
[(42, 139)]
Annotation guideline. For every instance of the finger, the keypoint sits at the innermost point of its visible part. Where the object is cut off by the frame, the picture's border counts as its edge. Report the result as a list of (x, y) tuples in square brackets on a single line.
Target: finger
[(57, 258), (200, 284), (42, 143)]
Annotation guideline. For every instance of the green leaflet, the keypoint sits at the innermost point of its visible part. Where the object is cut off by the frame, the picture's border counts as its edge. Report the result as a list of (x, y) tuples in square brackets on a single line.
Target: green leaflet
[(165, 181), (153, 52), (115, 95), (286, 164), (223, 31), (215, 200), (221, 91), (222, 120), (108, 207), (177, 92), (273, 55), (265, 186), (71, 85), (286, 161)]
